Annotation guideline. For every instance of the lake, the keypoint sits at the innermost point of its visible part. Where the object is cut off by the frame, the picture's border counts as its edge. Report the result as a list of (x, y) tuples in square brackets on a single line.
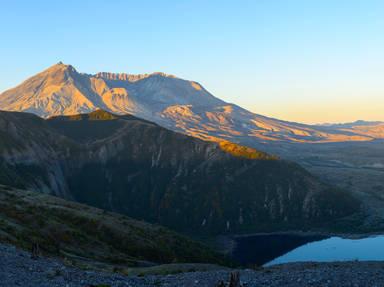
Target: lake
[(336, 249), (271, 249)]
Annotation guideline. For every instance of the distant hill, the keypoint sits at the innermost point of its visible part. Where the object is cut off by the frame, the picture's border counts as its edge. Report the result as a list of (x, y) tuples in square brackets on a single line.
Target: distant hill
[(177, 104), (135, 167), (352, 124)]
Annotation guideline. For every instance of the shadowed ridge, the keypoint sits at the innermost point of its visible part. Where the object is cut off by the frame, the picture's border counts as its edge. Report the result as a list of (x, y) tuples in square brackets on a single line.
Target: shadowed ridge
[(244, 152), (97, 115), (157, 175), (102, 115)]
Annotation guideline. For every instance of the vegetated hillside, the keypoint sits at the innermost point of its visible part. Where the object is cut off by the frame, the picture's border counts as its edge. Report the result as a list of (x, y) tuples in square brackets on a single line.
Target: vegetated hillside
[(89, 235), (177, 104), (131, 166)]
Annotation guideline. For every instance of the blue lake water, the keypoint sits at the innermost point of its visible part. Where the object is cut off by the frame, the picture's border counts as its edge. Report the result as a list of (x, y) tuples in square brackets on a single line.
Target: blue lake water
[(259, 249), (335, 249)]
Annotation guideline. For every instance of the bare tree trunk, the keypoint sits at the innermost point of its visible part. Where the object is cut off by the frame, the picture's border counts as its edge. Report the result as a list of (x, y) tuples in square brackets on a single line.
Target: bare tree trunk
[(35, 251), (234, 280)]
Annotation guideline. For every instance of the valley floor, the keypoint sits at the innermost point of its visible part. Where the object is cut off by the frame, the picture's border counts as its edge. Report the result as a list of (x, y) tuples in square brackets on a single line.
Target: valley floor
[(18, 269)]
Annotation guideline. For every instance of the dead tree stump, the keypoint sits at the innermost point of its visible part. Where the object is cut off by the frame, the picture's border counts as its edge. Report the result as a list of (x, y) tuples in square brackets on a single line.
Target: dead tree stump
[(234, 280), (35, 251)]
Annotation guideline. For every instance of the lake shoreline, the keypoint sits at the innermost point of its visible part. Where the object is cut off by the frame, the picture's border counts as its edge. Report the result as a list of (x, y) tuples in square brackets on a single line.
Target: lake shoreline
[(307, 233), (262, 248)]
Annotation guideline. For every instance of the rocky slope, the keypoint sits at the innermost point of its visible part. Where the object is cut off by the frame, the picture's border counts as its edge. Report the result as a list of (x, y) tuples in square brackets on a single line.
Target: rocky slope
[(177, 104), (17, 269), (135, 167)]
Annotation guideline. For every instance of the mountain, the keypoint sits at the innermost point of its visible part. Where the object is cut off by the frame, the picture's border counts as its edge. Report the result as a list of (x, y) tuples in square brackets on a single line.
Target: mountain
[(370, 129), (135, 167), (87, 235), (352, 124), (180, 105)]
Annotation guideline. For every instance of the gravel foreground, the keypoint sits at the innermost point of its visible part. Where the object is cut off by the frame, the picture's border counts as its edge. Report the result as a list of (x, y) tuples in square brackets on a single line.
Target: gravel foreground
[(18, 269)]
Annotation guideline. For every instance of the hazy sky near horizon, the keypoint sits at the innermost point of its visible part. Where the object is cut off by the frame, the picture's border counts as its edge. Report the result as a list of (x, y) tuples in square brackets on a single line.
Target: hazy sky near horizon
[(308, 61)]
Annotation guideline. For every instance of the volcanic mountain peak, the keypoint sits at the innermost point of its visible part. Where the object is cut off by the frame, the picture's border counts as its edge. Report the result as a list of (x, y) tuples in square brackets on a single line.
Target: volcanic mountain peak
[(59, 69), (181, 105)]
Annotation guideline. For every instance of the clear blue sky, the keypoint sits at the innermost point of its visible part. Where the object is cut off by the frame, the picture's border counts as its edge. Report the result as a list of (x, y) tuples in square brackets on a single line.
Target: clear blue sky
[(308, 60)]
